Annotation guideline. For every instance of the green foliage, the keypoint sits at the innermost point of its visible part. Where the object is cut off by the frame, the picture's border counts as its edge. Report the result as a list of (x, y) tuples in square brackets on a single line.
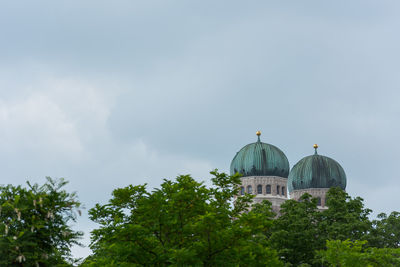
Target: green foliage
[(353, 254), (386, 231), (183, 223), (346, 217), (301, 229), (34, 228), (295, 232)]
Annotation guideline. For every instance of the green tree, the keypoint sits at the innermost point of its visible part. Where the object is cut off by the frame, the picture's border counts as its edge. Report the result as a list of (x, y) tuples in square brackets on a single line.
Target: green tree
[(346, 217), (302, 229), (184, 223), (355, 254), (34, 229), (386, 231), (295, 233)]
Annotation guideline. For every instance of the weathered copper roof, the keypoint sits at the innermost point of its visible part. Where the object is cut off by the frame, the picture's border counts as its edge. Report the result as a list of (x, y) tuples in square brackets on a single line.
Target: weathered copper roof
[(316, 171), (260, 159)]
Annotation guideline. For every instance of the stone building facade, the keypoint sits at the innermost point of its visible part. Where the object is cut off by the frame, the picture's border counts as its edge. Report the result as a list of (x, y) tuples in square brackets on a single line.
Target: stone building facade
[(271, 188), (318, 193)]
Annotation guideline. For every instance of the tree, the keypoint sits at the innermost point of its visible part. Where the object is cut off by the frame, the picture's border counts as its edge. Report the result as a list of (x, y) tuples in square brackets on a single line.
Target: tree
[(386, 231), (302, 230), (295, 233), (34, 224), (184, 223), (345, 218), (355, 254)]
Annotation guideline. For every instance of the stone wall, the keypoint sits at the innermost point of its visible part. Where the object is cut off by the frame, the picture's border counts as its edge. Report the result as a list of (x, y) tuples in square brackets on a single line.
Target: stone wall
[(315, 192), (275, 197)]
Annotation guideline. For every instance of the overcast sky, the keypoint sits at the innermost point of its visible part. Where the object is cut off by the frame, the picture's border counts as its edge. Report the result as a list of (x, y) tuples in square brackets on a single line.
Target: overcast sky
[(111, 93)]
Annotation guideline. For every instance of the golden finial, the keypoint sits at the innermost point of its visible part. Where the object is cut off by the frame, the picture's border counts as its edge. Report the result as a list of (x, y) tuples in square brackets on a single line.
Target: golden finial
[(315, 147), (258, 133)]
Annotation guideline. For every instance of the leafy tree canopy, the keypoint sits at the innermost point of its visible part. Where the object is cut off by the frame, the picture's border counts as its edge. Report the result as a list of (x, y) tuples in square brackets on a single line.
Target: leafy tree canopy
[(34, 229), (355, 254), (386, 231), (186, 223), (294, 233), (183, 223), (346, 217), (302, 229)]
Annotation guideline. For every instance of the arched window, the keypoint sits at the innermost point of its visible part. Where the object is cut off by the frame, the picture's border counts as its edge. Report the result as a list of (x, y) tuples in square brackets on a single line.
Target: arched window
[(277, 190), (283, 190), (249, 189), (268, 189), (319, 201), (259, 189), (242, 190)]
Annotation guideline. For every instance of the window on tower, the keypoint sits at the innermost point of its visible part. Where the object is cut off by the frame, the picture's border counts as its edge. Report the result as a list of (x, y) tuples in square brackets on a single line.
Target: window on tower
[(283, 190), (259, 189), (249, 189), (277, 189), (268, 189), (242, 190), (319, 201)]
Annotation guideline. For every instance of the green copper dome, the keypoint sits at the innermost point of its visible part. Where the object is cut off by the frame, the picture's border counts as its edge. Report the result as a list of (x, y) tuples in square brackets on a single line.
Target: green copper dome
[(260, 159), (316, 171)]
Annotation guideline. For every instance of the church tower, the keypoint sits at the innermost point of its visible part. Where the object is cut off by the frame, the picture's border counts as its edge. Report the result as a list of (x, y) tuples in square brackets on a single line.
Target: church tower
[(315, 174), (265, 170)]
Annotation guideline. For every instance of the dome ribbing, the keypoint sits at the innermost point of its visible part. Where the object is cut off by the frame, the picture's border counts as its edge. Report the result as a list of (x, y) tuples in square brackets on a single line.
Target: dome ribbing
[(316, 171), (260, 159)]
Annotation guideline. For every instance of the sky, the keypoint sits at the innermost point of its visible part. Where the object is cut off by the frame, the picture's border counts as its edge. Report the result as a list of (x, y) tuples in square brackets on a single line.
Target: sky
[(112, 93)]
